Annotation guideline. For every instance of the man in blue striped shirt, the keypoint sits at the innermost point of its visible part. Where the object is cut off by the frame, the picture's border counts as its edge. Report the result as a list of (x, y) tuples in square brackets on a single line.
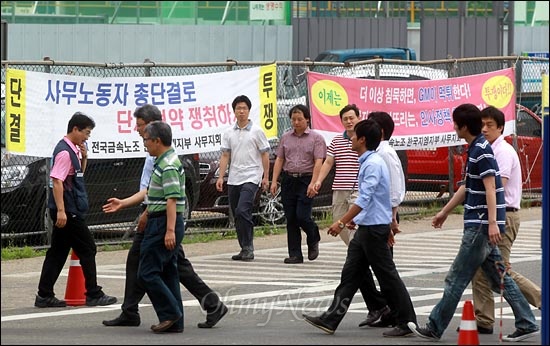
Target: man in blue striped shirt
[(484, 219)]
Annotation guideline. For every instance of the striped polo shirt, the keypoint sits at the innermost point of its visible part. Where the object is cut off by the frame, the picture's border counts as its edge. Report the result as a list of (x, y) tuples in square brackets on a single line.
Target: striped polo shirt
[(346, 163), (482, 163), (167, 181)]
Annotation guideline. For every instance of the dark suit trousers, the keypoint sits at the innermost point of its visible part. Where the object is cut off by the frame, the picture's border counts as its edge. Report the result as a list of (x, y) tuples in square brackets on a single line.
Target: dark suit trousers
[(134, 291)]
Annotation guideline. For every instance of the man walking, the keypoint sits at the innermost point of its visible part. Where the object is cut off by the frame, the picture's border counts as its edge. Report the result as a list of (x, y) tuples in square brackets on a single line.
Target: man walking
[(484, 220), (245, 150), (133, 289), (68, 204)]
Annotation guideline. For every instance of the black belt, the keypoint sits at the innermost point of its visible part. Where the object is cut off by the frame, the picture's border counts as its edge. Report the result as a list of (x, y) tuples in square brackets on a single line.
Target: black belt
[(298, 175), (155, 214), (512, 210)]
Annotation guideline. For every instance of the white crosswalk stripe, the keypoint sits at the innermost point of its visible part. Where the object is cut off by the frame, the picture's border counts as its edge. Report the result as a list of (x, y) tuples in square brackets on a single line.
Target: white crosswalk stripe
[(293, 287)]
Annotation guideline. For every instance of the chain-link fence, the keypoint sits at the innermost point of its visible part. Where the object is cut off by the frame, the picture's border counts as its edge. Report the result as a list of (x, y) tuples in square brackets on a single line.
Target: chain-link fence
[(432, 173)]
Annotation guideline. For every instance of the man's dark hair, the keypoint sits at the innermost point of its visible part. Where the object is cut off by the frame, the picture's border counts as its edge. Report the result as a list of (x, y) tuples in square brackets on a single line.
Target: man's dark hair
[(160, 130), (468, 115), (351, 107), (81, 121), (491, 112), (385, 121), (371, 131), (148, 113), (301, 108), (239, 99)]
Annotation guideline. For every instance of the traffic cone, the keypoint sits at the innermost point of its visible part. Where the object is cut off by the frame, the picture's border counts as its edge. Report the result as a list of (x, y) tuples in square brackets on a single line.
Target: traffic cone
[(76, 289), (468, 326)]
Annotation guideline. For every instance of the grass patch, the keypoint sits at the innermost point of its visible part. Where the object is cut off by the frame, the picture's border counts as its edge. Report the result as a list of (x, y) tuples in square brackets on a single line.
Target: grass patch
[(11, 253)]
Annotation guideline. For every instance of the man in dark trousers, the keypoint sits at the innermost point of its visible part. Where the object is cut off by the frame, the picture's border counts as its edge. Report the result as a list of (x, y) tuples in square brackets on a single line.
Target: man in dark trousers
[(68, 204), (372, 213), (133, 291)]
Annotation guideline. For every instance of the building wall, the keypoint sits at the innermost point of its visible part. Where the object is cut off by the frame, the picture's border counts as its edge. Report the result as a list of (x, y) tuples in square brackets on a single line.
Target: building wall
[(130, 43)]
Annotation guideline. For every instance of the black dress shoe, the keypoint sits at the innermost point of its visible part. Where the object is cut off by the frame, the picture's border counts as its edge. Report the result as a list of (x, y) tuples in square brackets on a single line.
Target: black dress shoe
[(319, 323), (122, 321), (243, 256), (313, 251), (294, 260), (214, 317), (374, 316)]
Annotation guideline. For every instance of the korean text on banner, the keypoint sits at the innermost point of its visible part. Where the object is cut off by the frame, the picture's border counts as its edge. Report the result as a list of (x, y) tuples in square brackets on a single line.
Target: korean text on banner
[(197, 107), (421, 109), (16, 115), (268, 100)]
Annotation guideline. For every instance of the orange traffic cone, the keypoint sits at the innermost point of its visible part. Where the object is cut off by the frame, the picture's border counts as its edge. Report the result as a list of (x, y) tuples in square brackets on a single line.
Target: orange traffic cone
[(76, 289), (468, 326)]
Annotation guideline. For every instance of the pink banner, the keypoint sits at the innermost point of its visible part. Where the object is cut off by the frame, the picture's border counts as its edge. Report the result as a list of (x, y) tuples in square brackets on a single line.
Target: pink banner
[(421, 109)]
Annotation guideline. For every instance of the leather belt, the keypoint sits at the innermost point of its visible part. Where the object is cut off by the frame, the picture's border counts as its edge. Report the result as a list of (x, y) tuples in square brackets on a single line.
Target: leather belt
[(512, 210), (298, 175)]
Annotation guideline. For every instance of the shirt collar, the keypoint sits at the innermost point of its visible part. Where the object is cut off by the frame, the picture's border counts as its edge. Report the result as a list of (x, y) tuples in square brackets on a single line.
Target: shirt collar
[(247, 127)]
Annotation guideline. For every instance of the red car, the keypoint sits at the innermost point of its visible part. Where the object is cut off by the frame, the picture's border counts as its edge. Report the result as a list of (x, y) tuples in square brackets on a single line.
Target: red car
[(428, 169)]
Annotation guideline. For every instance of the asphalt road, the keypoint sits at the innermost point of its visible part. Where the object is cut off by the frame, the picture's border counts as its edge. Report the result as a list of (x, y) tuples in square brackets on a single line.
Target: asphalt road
[(266, 298)]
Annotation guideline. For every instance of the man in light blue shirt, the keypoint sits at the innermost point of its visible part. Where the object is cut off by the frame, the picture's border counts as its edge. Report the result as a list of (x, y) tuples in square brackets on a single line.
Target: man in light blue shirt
[(372, 213)]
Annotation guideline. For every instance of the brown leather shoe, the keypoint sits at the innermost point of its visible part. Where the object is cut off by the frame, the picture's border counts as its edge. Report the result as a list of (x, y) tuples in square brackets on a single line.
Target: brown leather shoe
[(163, 326)]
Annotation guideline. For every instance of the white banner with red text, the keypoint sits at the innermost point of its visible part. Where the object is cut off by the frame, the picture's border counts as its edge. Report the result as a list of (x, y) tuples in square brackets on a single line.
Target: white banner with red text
[(198, 108)]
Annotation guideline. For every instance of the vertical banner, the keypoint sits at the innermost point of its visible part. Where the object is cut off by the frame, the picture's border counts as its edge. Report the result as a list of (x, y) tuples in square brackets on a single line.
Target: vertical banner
[(16, 115), (268, 100)]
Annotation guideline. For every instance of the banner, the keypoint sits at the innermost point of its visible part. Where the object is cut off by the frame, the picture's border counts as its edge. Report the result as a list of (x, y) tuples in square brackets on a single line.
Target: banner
[(198, 108), (267, 10), (421, 109)]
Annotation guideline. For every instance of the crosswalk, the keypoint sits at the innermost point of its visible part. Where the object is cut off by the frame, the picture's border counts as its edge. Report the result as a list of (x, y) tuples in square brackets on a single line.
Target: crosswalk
[(267, 284), (419, 257)]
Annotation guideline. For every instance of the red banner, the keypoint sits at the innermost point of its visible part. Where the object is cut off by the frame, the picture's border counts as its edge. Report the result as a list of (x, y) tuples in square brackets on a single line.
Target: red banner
[(421, 109)]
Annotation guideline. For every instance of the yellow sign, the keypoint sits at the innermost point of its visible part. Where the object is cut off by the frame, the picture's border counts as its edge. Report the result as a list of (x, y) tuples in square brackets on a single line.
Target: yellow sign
[(15, 111), (268, 100)]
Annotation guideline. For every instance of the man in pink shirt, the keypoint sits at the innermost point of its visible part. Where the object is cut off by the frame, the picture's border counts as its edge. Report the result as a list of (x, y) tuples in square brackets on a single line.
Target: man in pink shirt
[(299, 159), (68, 205)]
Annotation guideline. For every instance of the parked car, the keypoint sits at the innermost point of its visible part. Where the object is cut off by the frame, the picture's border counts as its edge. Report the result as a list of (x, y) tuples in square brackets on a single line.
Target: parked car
[(25, 179), (268, 208), (428, 169)]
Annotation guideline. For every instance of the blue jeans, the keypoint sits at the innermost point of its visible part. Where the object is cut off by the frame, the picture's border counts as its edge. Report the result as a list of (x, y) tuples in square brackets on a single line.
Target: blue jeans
[(241, 201), (475, 251), (158, 269)]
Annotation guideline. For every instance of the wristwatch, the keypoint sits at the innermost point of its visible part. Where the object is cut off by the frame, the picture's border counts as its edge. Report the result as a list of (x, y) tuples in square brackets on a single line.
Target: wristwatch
[(341, 225)]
